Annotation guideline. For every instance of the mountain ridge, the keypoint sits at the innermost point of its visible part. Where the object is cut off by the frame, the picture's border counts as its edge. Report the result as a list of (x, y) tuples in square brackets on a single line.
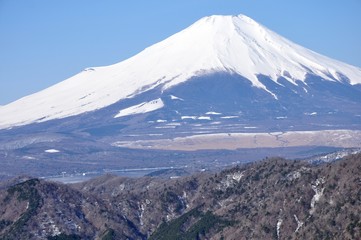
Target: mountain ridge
[(270, 199)]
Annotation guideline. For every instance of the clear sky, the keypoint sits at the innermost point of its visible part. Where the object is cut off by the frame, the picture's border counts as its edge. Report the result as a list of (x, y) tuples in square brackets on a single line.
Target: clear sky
[(43, 42)]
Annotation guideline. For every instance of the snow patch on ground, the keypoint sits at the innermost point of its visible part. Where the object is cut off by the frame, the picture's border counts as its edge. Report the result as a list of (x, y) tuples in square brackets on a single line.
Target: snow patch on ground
[(279, 224), (293, 175), (335, 155), (188, 117), (237, 176), (229, 117), (142, 207), (204, 118), (174, 124), (176, 98), (299, 223), (213, 113), (165, 127), (161, 121), (52, 151), (317, 188), (230, 180), (141, 108)]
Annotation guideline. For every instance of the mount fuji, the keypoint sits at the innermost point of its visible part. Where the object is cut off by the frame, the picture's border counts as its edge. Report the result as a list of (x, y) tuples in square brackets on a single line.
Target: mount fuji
[(234, 52), (223, 74)]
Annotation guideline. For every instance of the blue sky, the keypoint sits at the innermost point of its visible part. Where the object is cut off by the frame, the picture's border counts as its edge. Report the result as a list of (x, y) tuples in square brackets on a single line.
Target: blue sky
[(43, 42)]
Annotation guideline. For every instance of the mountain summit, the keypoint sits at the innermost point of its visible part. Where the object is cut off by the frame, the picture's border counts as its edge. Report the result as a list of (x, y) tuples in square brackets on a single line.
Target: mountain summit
[(228, 45)]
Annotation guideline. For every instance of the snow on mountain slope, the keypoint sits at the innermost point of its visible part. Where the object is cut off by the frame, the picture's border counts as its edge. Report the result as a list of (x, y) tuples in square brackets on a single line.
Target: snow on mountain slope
[(141, 108), (233, 44)]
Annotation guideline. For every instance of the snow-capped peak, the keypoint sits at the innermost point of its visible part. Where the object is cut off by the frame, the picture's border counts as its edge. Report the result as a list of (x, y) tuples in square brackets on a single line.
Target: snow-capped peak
[(234, 44), (243, 46), (141, 108)]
